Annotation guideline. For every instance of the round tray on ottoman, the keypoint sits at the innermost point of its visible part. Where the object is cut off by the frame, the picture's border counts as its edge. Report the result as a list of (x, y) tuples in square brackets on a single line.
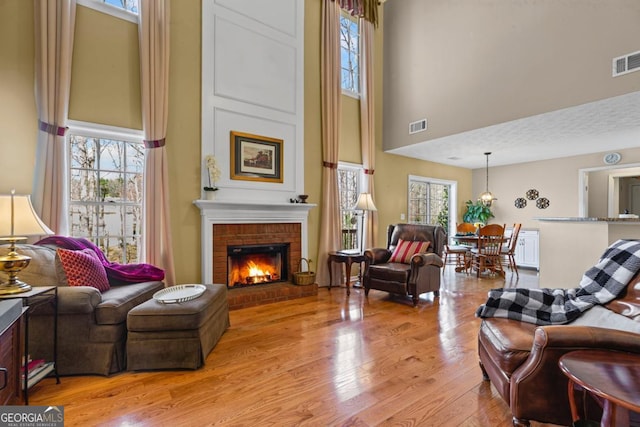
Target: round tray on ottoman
[(176, 334)]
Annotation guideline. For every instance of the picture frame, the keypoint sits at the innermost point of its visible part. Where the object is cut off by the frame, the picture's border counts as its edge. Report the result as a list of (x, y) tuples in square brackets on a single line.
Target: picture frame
[(256, 158)]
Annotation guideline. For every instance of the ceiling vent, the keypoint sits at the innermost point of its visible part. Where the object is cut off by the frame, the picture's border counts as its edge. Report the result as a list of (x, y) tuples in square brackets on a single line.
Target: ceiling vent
[(626, 64), (419, 126)]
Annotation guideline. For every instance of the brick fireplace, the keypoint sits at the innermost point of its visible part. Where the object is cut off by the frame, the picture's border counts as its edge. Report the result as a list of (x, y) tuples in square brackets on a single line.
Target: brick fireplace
[(225, 235), (232, 224)]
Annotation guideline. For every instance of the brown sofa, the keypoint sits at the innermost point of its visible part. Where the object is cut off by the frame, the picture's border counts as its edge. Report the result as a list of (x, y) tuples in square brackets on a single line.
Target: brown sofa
[(521, 359), (421, 275), (92, 328)]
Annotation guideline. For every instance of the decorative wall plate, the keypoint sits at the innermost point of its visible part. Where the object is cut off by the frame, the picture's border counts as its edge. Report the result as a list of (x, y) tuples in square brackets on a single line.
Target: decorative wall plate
[(520, 202), (532, 194), (542, 203)]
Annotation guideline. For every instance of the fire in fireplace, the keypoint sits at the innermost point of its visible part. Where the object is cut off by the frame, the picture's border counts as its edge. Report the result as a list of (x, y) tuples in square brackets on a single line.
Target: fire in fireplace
[(250, 265)]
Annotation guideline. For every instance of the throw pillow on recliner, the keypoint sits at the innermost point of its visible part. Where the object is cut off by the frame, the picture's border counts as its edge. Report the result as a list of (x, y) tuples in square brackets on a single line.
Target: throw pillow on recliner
[(406, 249)]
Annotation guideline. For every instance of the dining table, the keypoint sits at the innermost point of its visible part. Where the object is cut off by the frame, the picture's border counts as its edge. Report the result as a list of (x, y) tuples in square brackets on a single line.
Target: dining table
[(471, 240)]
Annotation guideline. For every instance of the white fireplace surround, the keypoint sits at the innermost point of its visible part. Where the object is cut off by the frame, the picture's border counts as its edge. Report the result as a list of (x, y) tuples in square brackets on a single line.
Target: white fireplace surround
[(225, 212)]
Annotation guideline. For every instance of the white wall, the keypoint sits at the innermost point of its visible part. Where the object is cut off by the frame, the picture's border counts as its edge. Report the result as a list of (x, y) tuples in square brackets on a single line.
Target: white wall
[(252, 82)]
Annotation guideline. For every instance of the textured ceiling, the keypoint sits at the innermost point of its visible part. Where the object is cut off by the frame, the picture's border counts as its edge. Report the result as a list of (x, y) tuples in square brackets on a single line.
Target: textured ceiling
[(610, 124)]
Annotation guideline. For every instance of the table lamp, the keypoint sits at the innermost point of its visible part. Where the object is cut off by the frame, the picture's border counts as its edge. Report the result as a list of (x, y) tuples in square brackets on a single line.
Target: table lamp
[(18, 220), (364, 204)]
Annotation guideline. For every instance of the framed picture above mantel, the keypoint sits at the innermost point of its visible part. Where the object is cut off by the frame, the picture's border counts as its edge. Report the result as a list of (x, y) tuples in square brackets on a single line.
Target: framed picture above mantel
[(256, 158)]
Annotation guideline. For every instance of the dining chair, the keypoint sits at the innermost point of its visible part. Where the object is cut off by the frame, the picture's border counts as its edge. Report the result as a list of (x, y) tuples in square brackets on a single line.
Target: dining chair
[(508, 250), (458, 252), (487, 255)]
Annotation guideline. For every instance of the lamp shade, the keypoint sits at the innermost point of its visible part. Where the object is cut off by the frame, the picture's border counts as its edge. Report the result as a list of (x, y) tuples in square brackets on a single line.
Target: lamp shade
[(18, 218), (365, 203)]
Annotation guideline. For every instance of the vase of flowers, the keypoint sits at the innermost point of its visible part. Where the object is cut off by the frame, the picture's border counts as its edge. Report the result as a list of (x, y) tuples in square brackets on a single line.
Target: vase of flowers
[(213, 174)]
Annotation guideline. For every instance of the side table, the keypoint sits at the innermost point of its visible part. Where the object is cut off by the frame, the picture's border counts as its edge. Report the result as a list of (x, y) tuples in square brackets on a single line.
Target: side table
[(348, 259), (38, 295), (612, 377)]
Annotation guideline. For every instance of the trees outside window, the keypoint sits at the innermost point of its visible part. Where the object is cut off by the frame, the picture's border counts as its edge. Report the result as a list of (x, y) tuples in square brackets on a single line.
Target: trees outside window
[(350, 54), (432, 202), (349, 188), (106, 191)]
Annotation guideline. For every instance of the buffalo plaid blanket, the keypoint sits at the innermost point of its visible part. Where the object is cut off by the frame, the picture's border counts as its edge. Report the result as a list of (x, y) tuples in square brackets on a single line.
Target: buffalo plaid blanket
[(599, 285)]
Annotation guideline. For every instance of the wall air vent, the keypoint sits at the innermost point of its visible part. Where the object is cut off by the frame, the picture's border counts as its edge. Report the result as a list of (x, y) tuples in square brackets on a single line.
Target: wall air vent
[(419, 126), (626, 64)]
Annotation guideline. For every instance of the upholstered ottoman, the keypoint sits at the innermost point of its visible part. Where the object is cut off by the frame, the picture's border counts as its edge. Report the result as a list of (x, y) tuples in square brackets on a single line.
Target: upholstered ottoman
[(178, 335)]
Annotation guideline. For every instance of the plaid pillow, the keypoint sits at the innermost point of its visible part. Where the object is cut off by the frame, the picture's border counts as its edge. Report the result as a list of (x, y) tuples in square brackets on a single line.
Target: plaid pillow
[(406, 249)]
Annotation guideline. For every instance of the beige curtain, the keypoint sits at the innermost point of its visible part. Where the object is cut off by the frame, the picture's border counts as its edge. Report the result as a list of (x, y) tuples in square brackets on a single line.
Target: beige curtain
[(367, 123), (154, 73), (54, 27), (331, 105)]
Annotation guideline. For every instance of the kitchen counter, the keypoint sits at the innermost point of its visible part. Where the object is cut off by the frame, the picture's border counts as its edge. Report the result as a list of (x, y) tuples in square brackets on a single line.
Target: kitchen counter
[(590, 219), (569, 246)]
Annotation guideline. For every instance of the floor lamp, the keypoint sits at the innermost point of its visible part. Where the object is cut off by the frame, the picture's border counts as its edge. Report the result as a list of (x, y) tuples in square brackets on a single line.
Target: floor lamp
[(364, 204), (17, 219)]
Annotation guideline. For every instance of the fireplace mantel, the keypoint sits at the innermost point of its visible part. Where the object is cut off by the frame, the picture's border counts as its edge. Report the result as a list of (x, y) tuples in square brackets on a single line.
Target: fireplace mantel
[(229, 212)]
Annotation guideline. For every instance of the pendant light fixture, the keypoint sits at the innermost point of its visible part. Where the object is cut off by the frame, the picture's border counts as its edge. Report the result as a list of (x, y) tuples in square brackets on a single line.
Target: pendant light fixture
[(487, 198)]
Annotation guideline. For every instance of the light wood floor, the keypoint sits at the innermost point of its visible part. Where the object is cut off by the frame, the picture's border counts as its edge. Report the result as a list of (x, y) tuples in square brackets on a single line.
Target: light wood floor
[(329, 360)]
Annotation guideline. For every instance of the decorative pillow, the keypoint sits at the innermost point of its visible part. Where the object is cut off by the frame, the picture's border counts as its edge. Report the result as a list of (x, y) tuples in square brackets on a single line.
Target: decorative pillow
[(83, 268), (406, 249)]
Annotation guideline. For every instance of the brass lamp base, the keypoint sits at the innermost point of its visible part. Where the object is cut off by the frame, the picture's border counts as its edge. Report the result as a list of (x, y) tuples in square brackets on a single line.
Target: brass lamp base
[(17, 288), (12, 263)]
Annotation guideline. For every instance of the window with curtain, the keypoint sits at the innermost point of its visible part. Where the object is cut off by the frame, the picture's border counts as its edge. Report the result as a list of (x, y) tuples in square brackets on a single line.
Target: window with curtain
[(431, 202), (350, 181), (106, 189), (350, 54)]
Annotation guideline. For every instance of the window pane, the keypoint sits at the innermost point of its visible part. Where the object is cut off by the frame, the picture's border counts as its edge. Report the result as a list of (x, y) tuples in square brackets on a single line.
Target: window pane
[(349, 53), (83, 185), (135, 157)]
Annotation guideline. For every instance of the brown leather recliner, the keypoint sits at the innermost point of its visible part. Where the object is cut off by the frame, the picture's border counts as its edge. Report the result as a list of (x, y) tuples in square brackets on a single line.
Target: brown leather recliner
[(421, 275), (521, 359)]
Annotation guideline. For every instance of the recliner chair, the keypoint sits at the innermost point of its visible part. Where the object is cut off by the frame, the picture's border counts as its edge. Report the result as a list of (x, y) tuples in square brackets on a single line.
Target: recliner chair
[(422, 271)]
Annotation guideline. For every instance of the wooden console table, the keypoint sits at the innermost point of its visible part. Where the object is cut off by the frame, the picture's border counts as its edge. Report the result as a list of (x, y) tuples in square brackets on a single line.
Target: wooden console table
[(612, 377)]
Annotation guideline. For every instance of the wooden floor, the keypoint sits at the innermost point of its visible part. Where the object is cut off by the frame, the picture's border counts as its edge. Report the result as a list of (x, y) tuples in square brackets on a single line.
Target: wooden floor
[(328, 360)]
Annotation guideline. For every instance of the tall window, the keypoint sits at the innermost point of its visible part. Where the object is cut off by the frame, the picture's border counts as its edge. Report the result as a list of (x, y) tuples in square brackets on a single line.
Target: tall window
[(432, 201), (106, 189), (350, 54), (349, 188)]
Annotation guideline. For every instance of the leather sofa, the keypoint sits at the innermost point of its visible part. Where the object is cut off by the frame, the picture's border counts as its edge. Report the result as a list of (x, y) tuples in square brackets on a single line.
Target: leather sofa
[(521, 359), (92, 328), (420, 275)]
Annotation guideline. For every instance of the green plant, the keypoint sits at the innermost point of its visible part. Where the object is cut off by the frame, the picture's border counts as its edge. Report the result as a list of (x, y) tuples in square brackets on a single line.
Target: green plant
[(477, 212)]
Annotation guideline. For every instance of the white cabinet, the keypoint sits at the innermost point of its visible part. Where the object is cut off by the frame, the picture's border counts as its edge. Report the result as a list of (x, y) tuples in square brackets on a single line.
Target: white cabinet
[(527, 254)]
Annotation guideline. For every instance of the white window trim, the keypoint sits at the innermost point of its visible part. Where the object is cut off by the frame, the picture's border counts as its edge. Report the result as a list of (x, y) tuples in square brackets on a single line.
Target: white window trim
[(109, 9), (453, 197), (350, 93), (105, 131)]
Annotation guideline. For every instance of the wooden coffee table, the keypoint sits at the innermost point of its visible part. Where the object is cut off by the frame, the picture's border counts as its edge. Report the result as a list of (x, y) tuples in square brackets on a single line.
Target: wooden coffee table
[(612, 377)]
